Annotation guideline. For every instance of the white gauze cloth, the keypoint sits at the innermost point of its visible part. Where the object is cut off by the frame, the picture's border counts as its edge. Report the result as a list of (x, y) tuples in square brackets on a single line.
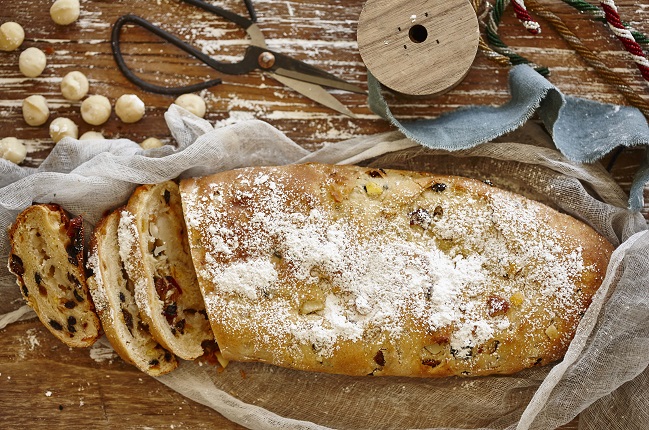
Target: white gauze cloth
[(604, 375)]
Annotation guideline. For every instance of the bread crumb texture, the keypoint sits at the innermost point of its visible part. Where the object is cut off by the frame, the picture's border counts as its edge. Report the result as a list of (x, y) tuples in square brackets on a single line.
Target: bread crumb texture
[(114, 297), (46, 257), (359, 271)]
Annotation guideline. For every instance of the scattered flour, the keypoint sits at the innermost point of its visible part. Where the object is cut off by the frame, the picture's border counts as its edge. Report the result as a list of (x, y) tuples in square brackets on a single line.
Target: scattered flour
[(130, 253), (102, 351), (32, 340), (29, 343), (99, 293)]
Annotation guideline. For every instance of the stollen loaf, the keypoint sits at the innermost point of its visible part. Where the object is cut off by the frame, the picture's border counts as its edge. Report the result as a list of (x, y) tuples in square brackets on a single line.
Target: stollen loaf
[(364, 271)]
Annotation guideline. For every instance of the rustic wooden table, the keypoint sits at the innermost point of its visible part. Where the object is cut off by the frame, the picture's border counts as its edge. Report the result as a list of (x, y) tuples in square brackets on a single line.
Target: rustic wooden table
[(42, 382)]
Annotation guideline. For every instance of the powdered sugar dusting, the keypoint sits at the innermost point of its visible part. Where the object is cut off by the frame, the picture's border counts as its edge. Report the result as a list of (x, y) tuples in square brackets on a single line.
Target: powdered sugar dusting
[(99, 292), (128, 237), (302, 272), (246, 278), (127, 234)]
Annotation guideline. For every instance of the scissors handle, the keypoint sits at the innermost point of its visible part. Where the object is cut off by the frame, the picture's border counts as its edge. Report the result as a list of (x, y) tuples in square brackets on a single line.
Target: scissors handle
[(241, 21), (247, 64)]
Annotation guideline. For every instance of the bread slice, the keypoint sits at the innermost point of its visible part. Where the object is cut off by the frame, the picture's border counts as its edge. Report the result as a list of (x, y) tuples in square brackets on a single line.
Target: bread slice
[(358, 271), (114, 297), (47, 258), (153, 245)]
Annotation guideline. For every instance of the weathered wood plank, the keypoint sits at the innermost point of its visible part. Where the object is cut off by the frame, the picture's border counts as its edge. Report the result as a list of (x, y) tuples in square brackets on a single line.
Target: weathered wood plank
[(44, 383)]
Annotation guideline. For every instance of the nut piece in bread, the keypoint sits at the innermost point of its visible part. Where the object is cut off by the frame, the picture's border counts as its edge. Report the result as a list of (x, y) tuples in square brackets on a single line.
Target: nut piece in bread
[(360, 271), (153, 245), (114, 298), (47, 259)]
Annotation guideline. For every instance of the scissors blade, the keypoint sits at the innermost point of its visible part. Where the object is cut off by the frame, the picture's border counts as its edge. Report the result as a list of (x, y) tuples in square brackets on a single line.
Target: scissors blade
[(315, 93), (331, 82), (296, 69)]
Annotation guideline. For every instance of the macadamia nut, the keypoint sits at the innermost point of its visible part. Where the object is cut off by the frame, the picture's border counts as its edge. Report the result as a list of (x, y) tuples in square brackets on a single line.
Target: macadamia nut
[(12, 36), (35, 110), (13, 150), (151, 143), (74, 86), (63, 127), (95, 110), (32, 62), (129, 108), (193, 103), (92, 135), (64, 12)]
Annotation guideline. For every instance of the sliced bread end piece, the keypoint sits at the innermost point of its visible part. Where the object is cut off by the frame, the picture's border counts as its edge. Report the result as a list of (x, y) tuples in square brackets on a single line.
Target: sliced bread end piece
[(47, 259)]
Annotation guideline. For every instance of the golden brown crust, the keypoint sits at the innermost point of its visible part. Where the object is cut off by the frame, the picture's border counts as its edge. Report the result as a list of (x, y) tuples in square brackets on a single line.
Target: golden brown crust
[(47, 258), (357, 271)]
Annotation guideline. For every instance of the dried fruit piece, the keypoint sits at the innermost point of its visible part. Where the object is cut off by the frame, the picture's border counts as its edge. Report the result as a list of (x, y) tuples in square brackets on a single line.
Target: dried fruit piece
[(16, 265), (379, 358), (430, 362), (497, 306), (373, 190), (420, 217), (517, 298), (552, 332), (438, 187)]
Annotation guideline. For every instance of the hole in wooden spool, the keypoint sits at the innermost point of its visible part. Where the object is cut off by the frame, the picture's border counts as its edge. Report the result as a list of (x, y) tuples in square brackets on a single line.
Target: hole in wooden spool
[(418, 33)]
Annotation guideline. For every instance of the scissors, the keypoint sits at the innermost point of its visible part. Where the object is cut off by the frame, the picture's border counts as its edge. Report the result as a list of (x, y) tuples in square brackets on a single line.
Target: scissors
[(302, 77)]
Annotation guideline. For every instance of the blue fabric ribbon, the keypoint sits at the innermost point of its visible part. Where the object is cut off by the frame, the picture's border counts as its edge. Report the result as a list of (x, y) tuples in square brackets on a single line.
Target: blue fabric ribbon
[(583, 130)]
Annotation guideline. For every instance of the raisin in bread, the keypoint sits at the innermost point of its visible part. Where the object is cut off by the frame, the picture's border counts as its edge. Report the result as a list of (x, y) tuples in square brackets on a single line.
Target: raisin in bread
[(359, 271), (47, 259), (153, 245), (114, 297)]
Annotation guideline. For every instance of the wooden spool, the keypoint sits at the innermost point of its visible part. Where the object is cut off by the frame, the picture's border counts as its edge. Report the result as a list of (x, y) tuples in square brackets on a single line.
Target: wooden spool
[(418, 47)]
